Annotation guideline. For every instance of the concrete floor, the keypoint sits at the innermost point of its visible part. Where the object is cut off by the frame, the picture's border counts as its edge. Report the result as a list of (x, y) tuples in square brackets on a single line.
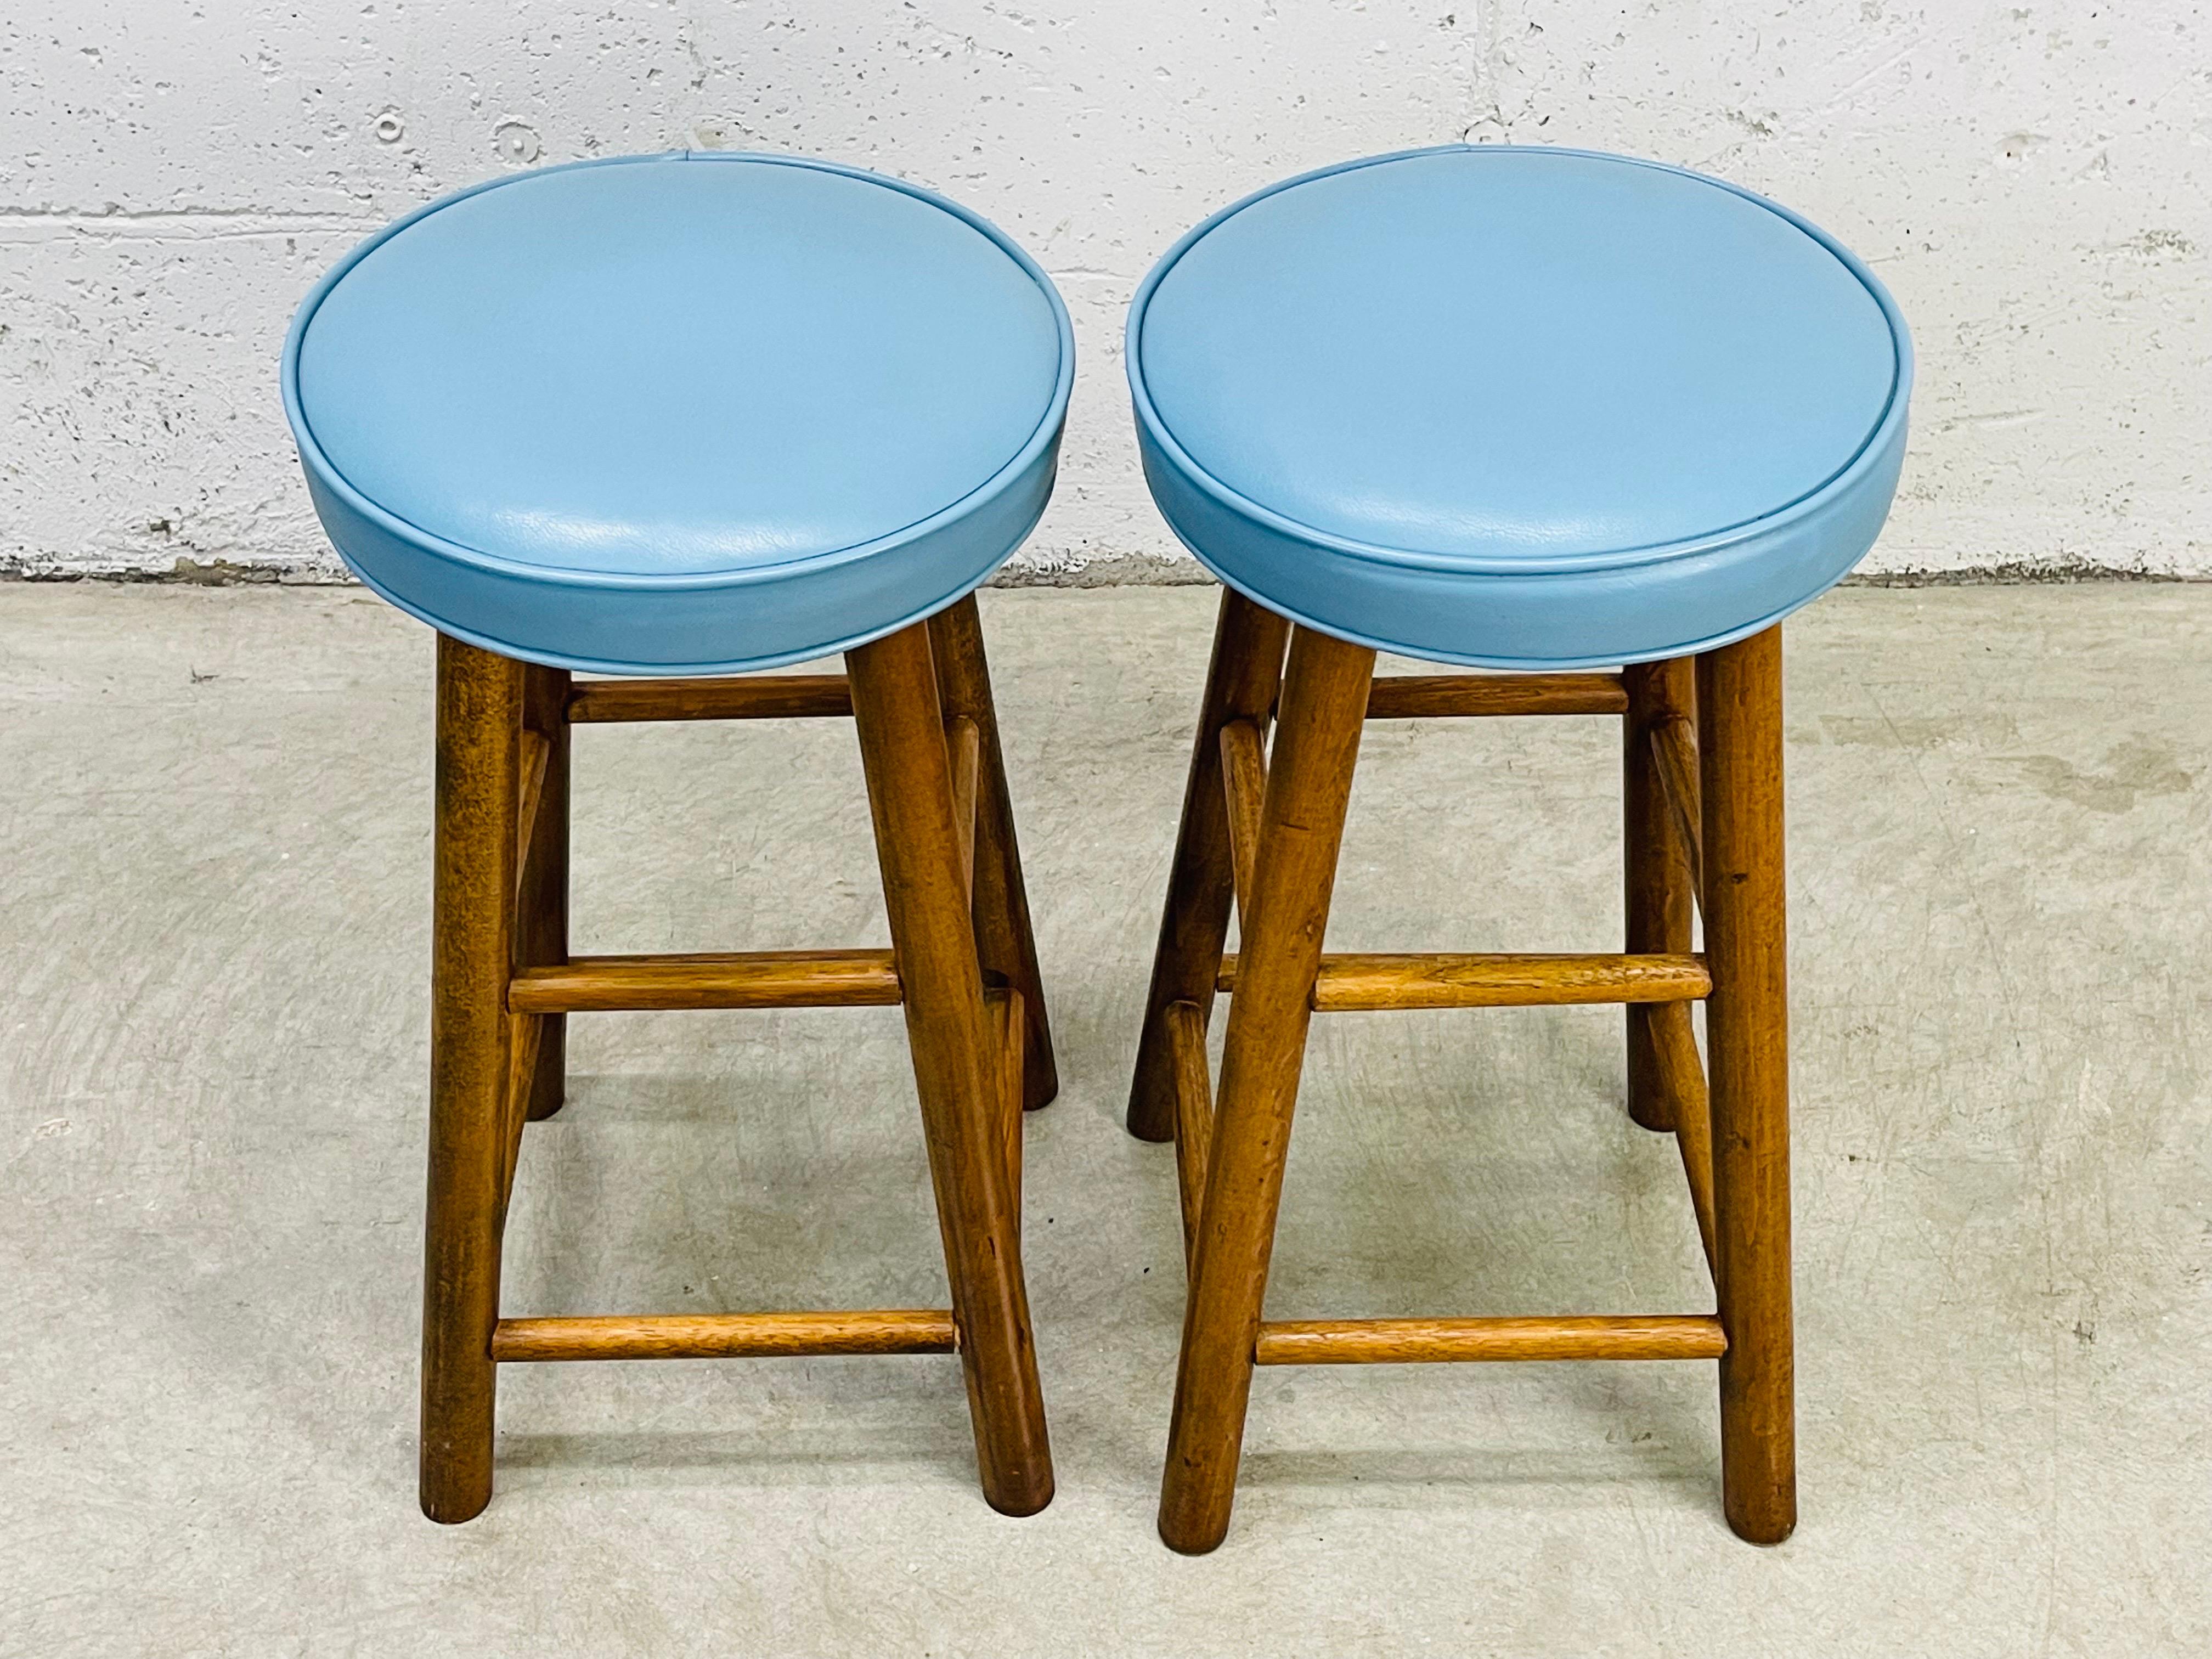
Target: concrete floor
[(212, 934)]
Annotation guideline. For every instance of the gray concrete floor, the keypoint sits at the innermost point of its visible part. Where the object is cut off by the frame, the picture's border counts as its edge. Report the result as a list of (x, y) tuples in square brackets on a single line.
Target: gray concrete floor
[(213, 897)]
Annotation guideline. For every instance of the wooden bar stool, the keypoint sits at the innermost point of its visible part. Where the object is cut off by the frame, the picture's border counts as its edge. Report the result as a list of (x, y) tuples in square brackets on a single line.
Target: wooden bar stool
[(1509, 408), (682, 417)]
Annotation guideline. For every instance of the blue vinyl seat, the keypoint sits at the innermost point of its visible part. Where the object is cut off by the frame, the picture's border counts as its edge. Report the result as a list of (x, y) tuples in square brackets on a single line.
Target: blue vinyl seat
[(680, 413), (1520, 407)]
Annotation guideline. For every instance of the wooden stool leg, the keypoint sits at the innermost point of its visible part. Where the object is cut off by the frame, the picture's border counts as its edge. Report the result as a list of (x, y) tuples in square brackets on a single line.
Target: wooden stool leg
[(472, 931), (541, 925), (955, 1068), (1739, 690), (1324, 708), (1003, 936), (1656, 890), (1240, 684)]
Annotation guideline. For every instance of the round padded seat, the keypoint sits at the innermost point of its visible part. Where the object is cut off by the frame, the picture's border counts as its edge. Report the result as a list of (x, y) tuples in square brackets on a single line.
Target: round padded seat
[(680, 413), (1520, 407)]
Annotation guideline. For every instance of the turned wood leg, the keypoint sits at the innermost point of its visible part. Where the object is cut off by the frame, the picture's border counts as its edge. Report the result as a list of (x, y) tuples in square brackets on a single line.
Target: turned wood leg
[(1656, 889), (957, 1068), (473, 944), (542, 905), (1738, 694), (1240, 684), (1004, 939), (1324, 705)]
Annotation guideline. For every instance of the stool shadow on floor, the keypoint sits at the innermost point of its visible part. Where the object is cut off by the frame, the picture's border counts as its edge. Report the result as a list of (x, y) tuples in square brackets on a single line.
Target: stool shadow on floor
[(912, 1450), (726, 1193), (1449, 1164), (1656, 1465), (1452, 1158), (730, 1191)]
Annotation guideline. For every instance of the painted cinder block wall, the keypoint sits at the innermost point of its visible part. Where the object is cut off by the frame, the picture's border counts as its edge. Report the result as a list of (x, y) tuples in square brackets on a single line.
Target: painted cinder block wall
[(2034, 179)]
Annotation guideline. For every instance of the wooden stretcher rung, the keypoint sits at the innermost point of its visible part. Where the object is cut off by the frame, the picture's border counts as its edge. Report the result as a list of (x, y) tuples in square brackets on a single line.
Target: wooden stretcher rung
[(760, 979), (1674, 753), (1432, 696), (1245, 783), (1413, 1342), (1193, 1125), (1350, 983), (762, 697), (725, 1336)]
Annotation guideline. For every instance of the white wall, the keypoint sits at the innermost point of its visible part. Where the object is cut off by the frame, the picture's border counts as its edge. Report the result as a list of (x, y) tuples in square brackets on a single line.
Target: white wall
[(2034, 180)]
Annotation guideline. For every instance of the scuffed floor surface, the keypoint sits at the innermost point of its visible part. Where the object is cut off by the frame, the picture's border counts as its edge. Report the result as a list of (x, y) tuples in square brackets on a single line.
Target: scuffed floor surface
[(214, 887)]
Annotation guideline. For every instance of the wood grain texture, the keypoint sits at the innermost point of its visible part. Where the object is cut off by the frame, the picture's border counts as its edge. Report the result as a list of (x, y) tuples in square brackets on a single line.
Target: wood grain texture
[(1193, 1118), (473, 863), (964, 742), (1243, 782), (903, 751), (542, 886), (1002, 1007), (1240, 684), (1433, 696), (1654, 866), (526, 1037), (1417, 1342), (1747, 1048), (740, 979), (1371, 981), (760, 697), (1674, 751), (724, 1336), (1681, 1078), (1004, 938), (1324, 700), (536, 751)]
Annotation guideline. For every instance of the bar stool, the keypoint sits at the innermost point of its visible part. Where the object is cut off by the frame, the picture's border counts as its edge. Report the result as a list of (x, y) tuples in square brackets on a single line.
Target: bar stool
[(1531, 410), (685, 416)]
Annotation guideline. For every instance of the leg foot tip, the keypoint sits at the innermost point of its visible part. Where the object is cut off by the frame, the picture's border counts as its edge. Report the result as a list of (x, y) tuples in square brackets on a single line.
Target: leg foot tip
[(448, 1513), (1192, 1534), (1655, 1119), (1147, 1122), (1201, 1544), (1764, 1532), (1019, 1506)]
